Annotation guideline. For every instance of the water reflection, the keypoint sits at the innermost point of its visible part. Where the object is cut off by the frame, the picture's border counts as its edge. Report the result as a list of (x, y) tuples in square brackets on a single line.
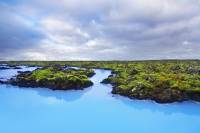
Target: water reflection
[(68, 96)]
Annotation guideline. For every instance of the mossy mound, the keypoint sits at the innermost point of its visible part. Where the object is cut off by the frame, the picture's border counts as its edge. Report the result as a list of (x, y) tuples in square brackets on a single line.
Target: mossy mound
[(163, 82), (55, 77)]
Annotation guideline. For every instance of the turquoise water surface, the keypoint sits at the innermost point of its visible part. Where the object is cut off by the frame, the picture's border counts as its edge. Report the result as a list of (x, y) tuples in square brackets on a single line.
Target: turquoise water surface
[(94, 110)]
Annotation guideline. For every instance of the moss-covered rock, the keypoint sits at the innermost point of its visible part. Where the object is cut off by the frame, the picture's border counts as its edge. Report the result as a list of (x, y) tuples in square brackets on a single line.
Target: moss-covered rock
[(163, 82), (54, 77)]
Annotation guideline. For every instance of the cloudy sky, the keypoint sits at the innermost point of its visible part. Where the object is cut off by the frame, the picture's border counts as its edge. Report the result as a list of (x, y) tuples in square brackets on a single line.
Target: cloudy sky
[(99, 29)]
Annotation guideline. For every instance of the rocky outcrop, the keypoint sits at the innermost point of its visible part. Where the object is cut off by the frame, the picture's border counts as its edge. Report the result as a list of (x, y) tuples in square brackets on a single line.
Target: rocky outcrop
[(158, 95), (56, 84), (53, 77), (192, 70)]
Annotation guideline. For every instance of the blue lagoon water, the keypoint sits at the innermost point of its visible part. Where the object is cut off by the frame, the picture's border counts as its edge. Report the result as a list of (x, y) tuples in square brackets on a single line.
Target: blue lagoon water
[(94, 110)]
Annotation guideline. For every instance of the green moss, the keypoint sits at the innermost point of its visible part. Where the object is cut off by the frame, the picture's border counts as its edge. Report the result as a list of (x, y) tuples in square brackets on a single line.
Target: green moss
[(172, 74), (124, 87), (40, 74), (57, 78), (142, 83)]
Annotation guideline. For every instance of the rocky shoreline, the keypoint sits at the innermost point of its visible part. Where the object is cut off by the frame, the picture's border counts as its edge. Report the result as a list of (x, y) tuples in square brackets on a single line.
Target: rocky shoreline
[(159, 95)]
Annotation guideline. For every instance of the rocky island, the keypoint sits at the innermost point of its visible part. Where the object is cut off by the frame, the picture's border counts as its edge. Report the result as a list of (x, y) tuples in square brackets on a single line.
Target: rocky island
[(163, 82), (54, 77)]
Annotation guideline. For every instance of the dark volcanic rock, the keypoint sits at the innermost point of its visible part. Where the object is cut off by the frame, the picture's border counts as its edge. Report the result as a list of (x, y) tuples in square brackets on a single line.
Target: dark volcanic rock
[(192, 70), (193, 95), (158, 95), (105, 81), (167, 95)]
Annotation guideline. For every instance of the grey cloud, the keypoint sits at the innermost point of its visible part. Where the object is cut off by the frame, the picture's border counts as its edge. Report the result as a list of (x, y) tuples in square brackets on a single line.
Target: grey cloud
[(15, 31), (100, 29)]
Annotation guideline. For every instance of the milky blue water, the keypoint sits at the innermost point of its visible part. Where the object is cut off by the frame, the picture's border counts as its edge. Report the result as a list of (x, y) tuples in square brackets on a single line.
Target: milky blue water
[(94, 110)]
